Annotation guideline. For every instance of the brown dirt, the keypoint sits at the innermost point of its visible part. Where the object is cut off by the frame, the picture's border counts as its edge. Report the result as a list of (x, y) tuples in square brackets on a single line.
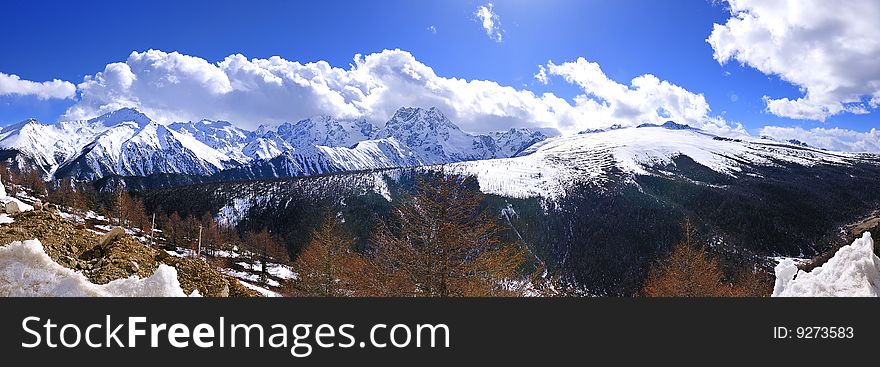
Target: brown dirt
[(75, 247)]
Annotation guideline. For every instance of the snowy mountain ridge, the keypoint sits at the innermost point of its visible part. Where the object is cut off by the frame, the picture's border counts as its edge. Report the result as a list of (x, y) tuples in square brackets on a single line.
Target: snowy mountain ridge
[(126, 142), (547, 168)]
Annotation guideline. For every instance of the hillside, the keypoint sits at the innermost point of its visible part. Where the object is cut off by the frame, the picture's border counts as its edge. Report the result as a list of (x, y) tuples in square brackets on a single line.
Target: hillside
[(85, 248)]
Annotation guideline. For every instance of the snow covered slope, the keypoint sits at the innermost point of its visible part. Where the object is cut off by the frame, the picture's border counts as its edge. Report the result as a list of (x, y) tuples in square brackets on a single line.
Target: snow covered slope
[(548, 167), (511, 142), (266, 146), (49, 146), (318, 160), (134, 145), (222, 136), (325, 131), (156, 149)]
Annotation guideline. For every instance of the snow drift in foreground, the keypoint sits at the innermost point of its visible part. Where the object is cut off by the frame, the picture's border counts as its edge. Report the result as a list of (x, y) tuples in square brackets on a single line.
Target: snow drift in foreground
[(854, 271), (27, 271)]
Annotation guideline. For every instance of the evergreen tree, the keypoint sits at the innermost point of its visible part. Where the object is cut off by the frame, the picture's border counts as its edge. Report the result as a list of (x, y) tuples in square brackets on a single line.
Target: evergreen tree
[(443, 243), (266, 247), (327, 266), (690, 271)]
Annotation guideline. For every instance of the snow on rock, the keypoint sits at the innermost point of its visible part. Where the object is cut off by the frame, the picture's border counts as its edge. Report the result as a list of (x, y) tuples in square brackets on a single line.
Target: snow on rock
[(11, 205), (27, 271), (854, 271)]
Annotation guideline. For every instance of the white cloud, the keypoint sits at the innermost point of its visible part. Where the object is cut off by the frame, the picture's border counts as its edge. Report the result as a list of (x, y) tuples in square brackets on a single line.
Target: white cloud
[(490, 21), (12, 84), (833, 139), (432, 29), (645, 99), (830, 49), (541, 76), (177, 87)]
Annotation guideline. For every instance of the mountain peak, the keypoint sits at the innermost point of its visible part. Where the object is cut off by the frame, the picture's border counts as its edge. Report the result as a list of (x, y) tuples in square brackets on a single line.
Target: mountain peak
[(671, 125), (21, 124), (409, 117), (126, 114)]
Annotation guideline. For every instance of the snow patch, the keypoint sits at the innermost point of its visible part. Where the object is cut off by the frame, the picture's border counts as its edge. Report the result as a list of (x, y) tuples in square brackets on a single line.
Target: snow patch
[(27, 271), (265, 292), (231, 214), (854, 271)]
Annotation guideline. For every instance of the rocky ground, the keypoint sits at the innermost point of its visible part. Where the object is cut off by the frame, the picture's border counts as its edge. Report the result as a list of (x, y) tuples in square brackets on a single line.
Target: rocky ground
[(114, 257)]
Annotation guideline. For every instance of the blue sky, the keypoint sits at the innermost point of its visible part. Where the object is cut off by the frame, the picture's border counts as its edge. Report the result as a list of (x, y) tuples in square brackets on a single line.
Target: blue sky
[(627, 38)]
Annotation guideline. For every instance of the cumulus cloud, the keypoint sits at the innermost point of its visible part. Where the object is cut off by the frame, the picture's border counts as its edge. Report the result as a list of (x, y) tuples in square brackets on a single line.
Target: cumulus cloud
[(833, 139), (177, 87), (830, 49), (12, 84), (490, 21), (645, 99)]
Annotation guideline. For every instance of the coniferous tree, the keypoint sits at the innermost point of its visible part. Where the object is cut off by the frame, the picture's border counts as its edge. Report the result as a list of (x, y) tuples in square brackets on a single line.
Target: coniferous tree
[(34, 183), (67, 195), (266, 248), (327, 266), (444, 243), (690, 271)]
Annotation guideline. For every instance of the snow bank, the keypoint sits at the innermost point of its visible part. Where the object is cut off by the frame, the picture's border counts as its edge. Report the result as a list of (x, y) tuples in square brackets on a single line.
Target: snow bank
[(854, 271), (27, 271)]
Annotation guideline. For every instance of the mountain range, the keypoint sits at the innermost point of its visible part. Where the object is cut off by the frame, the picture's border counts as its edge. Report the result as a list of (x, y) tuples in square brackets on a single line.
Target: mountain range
[(127, 142), (598, 207)]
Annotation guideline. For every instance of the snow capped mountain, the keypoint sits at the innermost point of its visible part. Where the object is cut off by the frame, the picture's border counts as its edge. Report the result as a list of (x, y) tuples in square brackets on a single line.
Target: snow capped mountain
[(437, 140), (431, 135), (41, 142), (326, 131), (323, 144), (317, 160), (548, 168), (267, 146), (221, 136), (157, 149), (126, 142), (49, 146), (136, 148), (511, 142), (121, 116), (101, 156)]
